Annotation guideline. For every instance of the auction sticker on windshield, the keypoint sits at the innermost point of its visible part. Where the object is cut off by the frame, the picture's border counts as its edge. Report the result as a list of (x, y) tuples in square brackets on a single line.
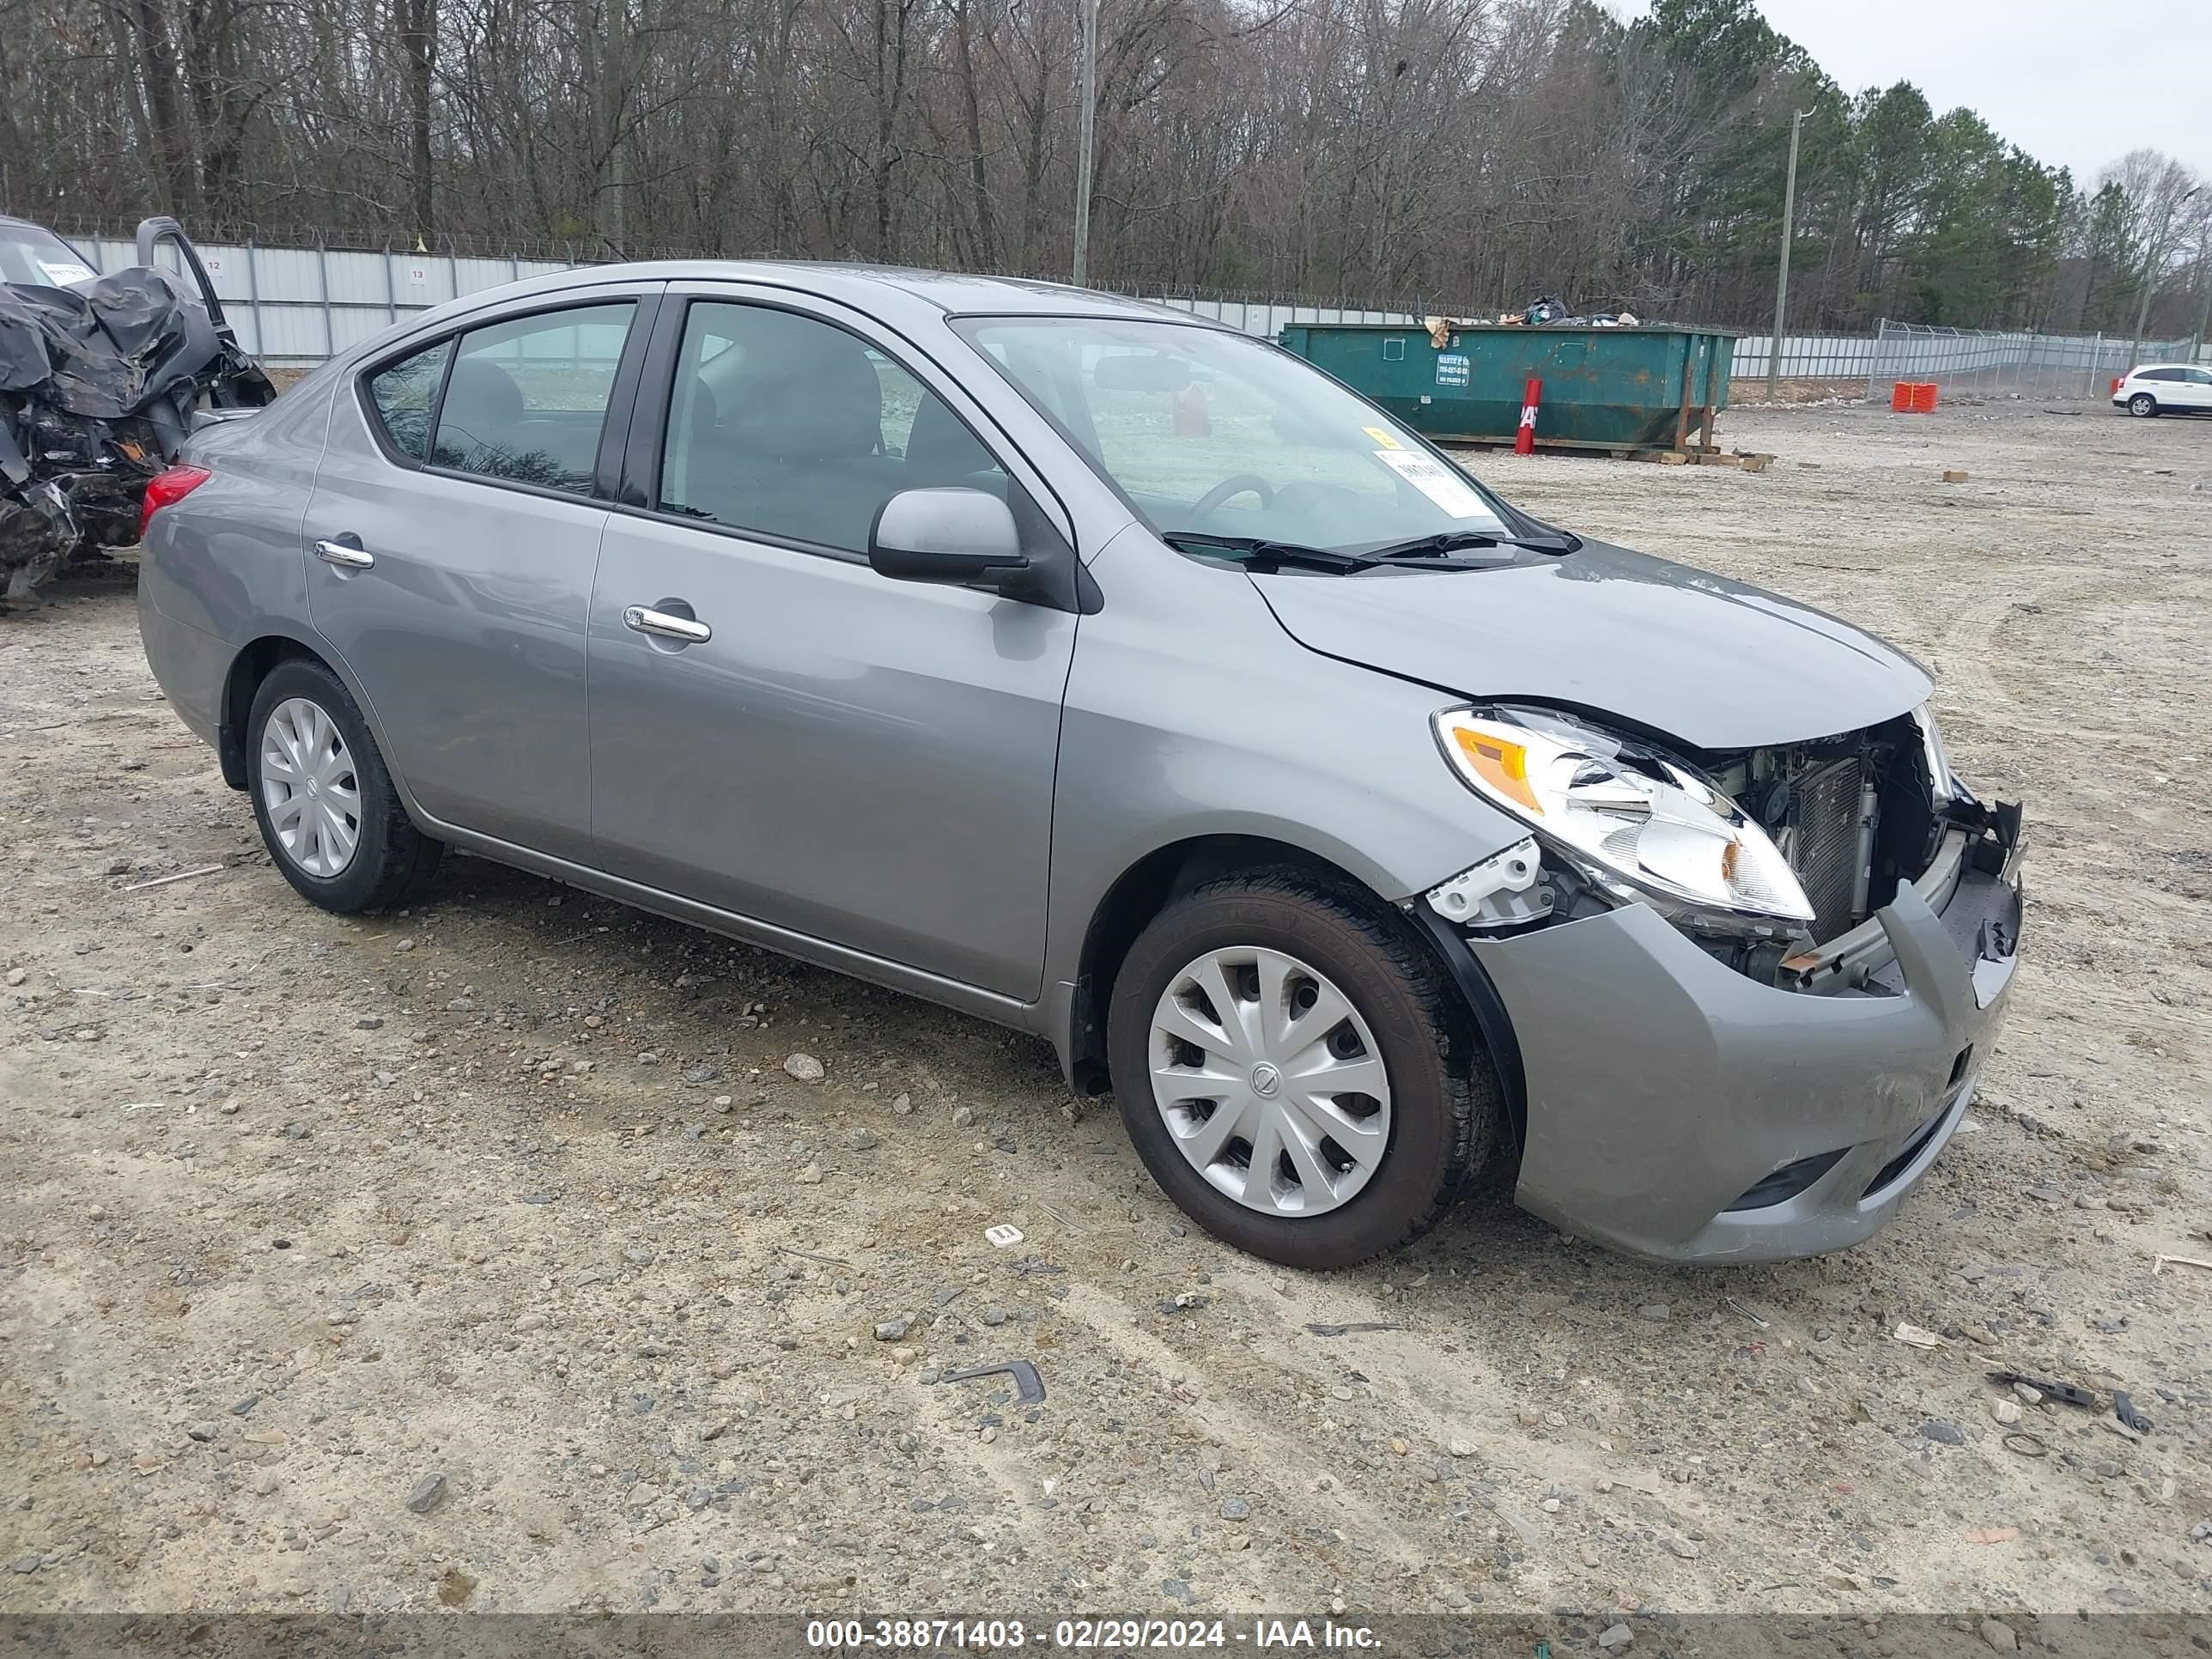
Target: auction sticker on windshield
[(1435, 481)]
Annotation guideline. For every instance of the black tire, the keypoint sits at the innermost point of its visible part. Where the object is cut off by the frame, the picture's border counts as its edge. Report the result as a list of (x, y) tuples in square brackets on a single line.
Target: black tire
[(2142, 404), (1446, 1108), (393, 862)]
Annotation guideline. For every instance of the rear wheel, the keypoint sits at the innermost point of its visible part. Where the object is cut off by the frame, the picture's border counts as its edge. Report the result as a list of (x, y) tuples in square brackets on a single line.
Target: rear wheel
[(328, 812), (2142, 403), (1296, 1071)]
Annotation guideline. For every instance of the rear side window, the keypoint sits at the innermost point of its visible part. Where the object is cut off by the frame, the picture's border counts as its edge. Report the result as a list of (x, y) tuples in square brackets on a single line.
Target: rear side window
[(2160, 374), (403, 393), (524, 400)]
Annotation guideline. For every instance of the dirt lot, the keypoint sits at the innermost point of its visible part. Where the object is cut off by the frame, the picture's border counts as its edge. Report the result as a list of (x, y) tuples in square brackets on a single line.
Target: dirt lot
[(515, 1191)]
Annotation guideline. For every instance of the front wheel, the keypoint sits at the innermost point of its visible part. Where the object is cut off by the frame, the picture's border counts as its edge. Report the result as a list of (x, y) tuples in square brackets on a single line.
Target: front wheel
[(328, 812), (1297, 1070), (2142, 403)]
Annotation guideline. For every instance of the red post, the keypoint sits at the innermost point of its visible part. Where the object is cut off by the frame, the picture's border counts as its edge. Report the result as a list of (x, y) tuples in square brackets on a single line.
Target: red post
[(1524, 441)]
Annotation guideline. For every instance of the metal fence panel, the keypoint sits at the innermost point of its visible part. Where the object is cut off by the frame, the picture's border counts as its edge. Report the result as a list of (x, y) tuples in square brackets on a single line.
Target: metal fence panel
[(296, 306)]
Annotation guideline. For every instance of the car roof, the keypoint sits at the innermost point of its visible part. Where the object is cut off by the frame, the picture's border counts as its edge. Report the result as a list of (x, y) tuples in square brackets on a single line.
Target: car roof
[(2139, 368), (953, 292)]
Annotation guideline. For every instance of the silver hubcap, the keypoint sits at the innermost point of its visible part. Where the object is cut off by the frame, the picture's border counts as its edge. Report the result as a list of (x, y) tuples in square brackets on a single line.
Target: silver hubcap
[(308, 787), (1270, 1082)]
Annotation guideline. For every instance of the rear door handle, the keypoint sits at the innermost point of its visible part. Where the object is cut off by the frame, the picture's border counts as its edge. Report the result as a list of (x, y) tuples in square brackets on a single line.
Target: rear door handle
[(644, 619), (345, 557)]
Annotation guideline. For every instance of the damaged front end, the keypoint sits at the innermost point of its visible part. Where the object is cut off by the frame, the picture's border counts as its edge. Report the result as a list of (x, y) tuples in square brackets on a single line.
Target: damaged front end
[(99, 382), (1773, 860), (1748, 991)]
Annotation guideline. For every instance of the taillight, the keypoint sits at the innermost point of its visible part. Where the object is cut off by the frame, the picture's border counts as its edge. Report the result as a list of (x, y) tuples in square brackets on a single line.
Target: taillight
[(170, 485)]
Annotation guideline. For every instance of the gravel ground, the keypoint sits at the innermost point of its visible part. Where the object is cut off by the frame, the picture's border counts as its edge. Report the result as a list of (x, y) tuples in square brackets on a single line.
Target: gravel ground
[(506, 1254)]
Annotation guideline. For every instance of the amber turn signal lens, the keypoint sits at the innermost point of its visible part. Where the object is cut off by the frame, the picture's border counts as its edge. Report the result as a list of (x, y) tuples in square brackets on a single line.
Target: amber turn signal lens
[(1504, 766)]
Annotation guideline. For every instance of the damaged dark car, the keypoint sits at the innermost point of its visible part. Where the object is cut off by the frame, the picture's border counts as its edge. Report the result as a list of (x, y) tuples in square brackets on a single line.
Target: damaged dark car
[(101, 381)]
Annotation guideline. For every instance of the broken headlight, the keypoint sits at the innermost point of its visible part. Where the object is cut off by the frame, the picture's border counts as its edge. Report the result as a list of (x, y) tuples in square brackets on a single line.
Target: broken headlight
[(1940, 781), (1635, 823)]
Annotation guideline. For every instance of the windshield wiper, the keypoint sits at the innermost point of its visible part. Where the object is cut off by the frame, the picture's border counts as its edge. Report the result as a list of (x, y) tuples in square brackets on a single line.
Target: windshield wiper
[(1263, 553), (1452, 541), (1430, 547)]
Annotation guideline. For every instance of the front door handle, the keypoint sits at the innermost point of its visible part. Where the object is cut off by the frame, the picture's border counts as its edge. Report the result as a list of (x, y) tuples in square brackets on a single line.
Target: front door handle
[(644, 619), (345, 557)]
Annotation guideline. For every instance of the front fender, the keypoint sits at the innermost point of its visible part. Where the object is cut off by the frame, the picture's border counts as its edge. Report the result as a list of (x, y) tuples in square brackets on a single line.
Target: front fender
[(1191, 713)]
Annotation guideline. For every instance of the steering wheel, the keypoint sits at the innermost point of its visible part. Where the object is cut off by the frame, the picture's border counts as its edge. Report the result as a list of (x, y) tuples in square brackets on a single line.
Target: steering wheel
[(1229, 489)]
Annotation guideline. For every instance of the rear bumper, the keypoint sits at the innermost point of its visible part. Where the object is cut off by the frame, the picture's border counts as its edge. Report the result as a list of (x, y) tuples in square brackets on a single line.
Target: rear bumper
[(189, 665), (1663, 1087)]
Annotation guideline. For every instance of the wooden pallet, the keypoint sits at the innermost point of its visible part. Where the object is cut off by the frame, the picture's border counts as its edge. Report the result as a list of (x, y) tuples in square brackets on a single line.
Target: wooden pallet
[(1688, 455)]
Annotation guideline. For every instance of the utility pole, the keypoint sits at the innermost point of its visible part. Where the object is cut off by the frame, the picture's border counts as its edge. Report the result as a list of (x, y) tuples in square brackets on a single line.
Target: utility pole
[(2204, 281), (1782, 277), (1087, 143)]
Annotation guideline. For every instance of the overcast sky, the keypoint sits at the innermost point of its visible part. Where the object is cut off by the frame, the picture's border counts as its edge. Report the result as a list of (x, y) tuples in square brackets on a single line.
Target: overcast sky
[(2074, 85)]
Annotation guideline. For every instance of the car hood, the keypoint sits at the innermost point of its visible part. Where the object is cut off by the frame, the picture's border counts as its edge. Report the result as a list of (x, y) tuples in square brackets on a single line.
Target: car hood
[(1712, 663)]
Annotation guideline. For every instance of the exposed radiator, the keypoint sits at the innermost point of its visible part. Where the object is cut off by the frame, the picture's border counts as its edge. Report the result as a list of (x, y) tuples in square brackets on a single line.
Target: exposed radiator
[(1825, 849)]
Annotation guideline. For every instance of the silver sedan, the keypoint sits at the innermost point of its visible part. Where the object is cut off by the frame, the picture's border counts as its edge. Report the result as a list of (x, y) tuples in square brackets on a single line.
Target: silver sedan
[(1125, 679)]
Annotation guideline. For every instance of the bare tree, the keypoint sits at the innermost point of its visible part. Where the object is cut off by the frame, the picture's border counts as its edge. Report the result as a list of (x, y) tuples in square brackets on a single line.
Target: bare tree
[(1457, 154)]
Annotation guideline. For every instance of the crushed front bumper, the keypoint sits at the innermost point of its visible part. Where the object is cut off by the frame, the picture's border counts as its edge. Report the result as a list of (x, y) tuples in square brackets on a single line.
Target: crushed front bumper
[(1679, 1110)]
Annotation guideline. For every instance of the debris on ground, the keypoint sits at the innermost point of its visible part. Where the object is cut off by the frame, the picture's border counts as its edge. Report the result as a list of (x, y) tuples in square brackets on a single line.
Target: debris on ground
[(1916, 1336), (1737, 1308), (428, 1494), (181, 875), (2124, 1407), (2047, 1389), (1029, 1386), (2160, 1264)]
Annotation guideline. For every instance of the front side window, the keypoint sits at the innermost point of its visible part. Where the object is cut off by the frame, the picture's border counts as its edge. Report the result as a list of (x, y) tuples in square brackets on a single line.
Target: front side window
[(525, 399), (791, 427), (404, 394), (1210, 433)]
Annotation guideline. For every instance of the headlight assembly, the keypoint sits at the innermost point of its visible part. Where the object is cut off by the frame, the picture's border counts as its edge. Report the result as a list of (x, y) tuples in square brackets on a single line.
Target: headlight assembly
[(1940, 781), (1638, 824)]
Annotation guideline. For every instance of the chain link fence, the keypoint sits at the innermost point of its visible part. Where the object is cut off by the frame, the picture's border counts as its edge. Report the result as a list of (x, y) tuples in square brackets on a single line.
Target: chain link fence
[(1993, 362)]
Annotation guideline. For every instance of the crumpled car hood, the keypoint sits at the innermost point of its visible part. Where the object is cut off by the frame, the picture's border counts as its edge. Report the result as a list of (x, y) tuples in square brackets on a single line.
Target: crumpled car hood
[(1712, 663)]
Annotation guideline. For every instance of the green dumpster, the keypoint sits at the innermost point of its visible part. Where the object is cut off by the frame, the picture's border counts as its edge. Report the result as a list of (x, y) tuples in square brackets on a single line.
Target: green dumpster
[(1604, 388)]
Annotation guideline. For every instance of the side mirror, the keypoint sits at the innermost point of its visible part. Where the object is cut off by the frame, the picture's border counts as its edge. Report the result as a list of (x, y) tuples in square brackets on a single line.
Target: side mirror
[(952, 536)]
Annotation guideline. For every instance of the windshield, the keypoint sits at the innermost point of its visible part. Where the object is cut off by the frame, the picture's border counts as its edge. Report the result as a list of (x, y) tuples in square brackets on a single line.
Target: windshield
[(28, 254), (1210, 434)]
